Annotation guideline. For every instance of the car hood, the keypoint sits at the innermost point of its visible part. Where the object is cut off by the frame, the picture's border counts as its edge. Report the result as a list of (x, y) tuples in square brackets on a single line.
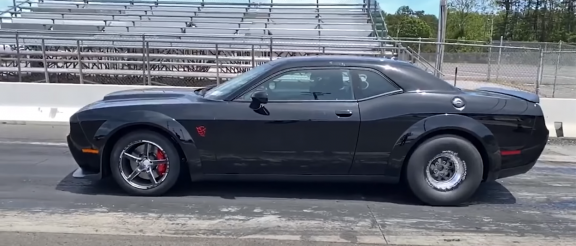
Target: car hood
[(146, 96), (150, 93)]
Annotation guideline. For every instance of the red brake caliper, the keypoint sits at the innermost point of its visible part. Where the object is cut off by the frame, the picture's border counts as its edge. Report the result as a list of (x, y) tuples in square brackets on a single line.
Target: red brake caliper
[(161, 166)]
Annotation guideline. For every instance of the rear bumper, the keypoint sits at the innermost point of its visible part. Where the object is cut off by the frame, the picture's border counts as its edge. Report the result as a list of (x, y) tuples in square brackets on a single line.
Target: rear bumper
[(509, 172), (516, 165)]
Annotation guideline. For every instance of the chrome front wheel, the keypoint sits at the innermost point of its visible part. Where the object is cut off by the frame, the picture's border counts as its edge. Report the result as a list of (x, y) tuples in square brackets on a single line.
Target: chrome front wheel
[(145, 163)]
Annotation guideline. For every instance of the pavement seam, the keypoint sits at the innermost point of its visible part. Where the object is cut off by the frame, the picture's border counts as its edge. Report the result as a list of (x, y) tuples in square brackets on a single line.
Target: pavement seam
[(377, 224)]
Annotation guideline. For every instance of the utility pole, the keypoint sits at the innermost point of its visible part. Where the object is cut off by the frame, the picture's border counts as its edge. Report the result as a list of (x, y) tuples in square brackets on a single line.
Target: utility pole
[(443, 17)]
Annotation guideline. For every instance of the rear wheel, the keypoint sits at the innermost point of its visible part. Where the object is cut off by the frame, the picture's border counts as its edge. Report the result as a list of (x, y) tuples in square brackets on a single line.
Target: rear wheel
[(444, 170), (145, 163)]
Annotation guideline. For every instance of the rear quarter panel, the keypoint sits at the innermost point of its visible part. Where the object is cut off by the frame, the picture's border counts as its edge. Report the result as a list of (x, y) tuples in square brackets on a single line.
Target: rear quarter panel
[(393, 125)]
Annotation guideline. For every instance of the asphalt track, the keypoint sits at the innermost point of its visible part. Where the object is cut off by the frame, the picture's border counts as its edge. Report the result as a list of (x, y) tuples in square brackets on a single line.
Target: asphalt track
[(41, 204)]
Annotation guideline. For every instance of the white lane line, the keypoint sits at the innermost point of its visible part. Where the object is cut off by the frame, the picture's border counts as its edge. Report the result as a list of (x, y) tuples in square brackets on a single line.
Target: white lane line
[(257, 227), (558, 158), (34, 143), (189, 225)]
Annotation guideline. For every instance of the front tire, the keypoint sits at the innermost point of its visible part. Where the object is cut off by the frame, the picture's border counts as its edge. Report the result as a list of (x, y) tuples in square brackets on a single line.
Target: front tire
[(145, 163), (444, 170)]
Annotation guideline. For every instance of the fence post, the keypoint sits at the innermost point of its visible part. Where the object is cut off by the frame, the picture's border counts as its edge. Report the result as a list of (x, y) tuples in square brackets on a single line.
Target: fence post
[(18, 58), (499, 57), (271, 46), (489, 72), (46, 75), (556, 69), (79, 54), (148, 67), (217, 65), (144, 51), (540, 70), (419, 48), (253, 57)]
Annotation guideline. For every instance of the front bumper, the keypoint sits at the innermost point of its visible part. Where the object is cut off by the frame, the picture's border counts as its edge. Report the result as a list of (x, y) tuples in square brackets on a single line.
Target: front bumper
[(89, 163)]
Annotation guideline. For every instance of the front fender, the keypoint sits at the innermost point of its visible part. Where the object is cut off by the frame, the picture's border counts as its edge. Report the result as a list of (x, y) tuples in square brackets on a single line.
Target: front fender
[(432, 125), (154, 119)]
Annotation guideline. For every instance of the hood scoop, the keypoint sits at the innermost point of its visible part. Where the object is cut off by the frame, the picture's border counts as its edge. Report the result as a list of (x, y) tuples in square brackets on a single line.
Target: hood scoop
[(149, 93)]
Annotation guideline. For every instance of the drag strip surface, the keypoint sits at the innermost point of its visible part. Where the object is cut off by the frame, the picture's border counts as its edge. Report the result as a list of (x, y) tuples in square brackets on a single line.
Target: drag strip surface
[(38, 194)]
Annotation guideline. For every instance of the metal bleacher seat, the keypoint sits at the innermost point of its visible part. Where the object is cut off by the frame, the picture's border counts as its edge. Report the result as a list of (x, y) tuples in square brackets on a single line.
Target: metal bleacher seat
[(302, 20), (198, 30)]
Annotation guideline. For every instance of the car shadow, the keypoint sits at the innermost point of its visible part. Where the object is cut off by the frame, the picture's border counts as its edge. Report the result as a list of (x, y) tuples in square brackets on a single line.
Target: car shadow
[(488, 193)]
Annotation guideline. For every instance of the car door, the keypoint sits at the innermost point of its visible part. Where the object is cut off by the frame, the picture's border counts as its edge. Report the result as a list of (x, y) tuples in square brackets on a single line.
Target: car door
[(383, 121), (307, 127)]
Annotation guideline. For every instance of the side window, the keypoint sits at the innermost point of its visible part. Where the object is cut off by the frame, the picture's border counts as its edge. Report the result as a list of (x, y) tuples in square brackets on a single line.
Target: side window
[(368, 83), (307, 84)]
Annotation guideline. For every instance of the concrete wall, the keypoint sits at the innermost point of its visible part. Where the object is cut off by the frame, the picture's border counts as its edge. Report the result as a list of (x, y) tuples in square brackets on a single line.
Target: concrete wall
[(37, 102)]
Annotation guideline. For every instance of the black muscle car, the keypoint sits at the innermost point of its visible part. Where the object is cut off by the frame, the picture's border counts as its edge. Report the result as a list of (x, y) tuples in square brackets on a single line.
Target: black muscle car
[(313, 118)]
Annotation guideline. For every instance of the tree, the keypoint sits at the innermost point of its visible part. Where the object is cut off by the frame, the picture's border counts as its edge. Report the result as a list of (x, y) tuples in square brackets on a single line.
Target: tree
[(484, 20), (406, 23)]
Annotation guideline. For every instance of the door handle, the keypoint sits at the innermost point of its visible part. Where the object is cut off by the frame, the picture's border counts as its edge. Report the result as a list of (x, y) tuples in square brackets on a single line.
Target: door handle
[(344, 113)]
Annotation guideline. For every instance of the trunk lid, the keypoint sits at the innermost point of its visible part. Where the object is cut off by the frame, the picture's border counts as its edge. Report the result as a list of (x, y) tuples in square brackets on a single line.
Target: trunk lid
[(527, 96)]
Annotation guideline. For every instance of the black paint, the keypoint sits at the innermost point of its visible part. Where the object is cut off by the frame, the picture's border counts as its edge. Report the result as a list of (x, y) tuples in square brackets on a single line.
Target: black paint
[(301, 139)]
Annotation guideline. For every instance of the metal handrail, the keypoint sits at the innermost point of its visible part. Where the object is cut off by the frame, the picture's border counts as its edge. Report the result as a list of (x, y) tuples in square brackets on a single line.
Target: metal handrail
[(163, 5), (407, 49), (103, 27), (205, 3), (201, 21), (8, 10), (211, 42), (187, 16), (184, 35), (108, 11), (373, 25)]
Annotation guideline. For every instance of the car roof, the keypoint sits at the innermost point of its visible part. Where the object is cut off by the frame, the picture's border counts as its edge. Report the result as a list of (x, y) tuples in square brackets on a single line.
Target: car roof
[(343, 59), (408, 76)]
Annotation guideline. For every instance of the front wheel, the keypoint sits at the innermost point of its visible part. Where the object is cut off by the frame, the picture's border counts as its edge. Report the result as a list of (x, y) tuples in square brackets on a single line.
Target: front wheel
[(145, 163), (444, 170)]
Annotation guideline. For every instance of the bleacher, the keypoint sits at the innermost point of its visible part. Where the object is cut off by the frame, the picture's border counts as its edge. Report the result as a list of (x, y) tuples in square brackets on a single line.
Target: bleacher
[(177, 42)]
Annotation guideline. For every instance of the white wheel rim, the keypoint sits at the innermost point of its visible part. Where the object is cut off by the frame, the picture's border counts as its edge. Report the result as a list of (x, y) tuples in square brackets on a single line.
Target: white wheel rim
[(445, 171)]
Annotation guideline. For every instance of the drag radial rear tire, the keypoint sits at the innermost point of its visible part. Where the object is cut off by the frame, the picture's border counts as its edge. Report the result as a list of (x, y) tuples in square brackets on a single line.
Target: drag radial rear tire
[(444, 170), (145, 163)]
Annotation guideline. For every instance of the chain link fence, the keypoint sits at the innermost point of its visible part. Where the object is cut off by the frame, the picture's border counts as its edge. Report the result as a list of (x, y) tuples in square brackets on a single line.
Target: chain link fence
[(548, 69), (543, 68)]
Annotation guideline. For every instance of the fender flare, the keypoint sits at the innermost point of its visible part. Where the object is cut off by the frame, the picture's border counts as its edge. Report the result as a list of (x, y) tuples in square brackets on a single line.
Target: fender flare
[(153, 119), (432, 125)]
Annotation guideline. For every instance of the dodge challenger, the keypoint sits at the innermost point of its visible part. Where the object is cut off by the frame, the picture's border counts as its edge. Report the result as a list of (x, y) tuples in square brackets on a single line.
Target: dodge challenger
[(319, 119)]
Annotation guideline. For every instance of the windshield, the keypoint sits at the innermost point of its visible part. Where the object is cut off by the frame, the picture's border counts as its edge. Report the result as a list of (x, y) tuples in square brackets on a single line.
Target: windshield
[(224, 89)]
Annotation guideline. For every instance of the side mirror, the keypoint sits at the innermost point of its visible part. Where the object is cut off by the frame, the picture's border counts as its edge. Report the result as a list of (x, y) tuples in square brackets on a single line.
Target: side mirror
[(258, 98)]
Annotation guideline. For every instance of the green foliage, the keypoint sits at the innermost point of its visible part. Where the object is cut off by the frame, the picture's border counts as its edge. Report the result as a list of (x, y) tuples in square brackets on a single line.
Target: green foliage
[(409, 26), (486, 20)]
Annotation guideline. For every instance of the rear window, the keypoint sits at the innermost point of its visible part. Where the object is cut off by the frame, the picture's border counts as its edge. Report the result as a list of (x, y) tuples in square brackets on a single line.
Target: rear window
[(410, 77)]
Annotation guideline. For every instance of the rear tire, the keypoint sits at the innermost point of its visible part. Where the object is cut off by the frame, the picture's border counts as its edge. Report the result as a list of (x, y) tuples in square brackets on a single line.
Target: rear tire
[(124, 164), (444, 170)]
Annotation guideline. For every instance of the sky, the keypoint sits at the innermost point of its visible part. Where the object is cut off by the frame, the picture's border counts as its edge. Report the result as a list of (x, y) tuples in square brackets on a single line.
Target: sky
[(429, 6)]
